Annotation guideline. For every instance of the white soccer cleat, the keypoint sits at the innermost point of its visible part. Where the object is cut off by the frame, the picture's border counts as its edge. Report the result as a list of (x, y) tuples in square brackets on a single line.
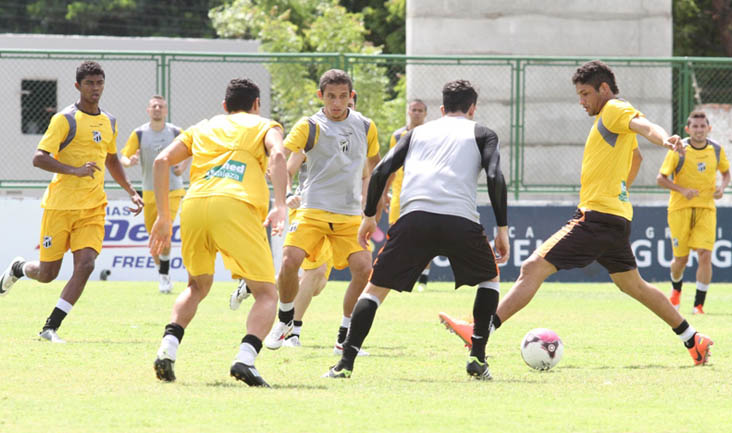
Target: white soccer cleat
[(277, 335), (292, 341), (166, 285), (338, 350), (8, 278), (50, 335), (421, 287), (239, 295)]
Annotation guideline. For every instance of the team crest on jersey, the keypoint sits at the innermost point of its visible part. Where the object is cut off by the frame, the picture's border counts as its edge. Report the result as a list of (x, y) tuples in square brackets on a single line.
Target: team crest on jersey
[(701, 166), (47, 242), (344, 142), (292, 227), (675, 241), (96, 136)]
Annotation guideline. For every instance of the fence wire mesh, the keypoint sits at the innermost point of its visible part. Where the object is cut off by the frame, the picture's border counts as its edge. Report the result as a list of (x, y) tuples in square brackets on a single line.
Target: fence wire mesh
[(529, 102)]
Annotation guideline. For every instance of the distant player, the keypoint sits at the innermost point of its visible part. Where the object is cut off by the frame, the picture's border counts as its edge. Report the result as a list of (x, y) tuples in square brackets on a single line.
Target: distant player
[(337, 142), (600, 228), (79, 142), (416, 113), (143, 145), (692, 215), (442, 160), (225, 210)]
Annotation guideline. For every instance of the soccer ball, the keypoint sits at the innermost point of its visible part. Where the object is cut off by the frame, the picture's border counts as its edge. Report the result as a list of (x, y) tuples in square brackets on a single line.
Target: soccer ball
[(541, 349)]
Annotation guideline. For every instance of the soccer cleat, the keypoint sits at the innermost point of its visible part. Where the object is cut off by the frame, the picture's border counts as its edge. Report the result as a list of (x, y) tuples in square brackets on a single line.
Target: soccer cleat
[(164, 369), (165, 286), (247, 374), (336, 372), (700, 352), (50, 335), (697, 310), (8, 278), (239, 295), (292, 341), (277, 335), (338, 350), (421, 287), (477, 369), (675, 298), (461, 328)]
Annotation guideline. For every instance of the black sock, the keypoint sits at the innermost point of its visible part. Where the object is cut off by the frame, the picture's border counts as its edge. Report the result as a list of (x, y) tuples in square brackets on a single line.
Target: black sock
[(286, 316), (361, 320), (496, 321), (484, 309), (164, 267), (342, 333), (175, 330), (54, 320), (680, 330), (18, 269), (423, 278), (677, 285), (254, 341), (700, 298)]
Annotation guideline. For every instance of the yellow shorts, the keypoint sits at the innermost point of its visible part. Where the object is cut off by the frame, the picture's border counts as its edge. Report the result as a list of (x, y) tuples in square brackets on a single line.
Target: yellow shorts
[(151, 209), (692, 228), (313, 235), (394, 207), (76, 229), (232, 227)]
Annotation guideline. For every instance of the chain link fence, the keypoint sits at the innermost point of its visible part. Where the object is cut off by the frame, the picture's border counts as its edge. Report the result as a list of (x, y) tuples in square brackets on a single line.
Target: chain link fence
[(529, 101)]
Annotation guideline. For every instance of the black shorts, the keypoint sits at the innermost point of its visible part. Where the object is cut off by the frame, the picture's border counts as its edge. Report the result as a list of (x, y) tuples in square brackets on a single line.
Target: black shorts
[(418, 237), (591, 236)]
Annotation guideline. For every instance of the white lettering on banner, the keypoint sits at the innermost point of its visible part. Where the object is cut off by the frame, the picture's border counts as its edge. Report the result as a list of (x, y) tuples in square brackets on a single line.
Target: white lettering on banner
[(662, 260), (642, 257), (520, 252), (511, 232), (719, 232), (667, 233), (529, 232), (722, 258), (650, 232), (142, 262)]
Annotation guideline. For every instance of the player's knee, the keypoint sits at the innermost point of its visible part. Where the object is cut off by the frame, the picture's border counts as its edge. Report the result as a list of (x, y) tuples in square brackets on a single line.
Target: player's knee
[(290, 263), (47, 274), (705, 257), (84, 267), (679, 261)]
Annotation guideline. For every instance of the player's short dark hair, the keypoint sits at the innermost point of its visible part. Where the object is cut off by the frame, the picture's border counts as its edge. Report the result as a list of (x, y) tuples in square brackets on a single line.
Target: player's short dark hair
[(418, 101), (88, 68), (697, 114), (335, 76), (595, 73), (241, 94), (355, 98), (458, 95)]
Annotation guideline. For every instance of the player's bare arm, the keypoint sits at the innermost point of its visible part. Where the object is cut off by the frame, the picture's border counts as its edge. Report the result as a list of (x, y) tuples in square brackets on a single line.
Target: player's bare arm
[(45, 161), (656, 134), (131, 161), (278, 177), (635, 165), (294, 162), (719, 191), (665, 182), (502, 246), (118, 174), (175, 153)]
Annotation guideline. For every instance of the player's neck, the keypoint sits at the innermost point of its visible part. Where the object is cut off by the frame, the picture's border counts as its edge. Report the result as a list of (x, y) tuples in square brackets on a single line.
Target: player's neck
[(88, 107), (157, 125), (341, 118), (698, 144)]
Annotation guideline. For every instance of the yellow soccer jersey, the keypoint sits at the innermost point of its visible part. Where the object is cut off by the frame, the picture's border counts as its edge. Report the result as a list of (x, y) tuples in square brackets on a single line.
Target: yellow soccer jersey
[(607, 159), (229, 158), (75, 138), (697, 169), (396, 184)]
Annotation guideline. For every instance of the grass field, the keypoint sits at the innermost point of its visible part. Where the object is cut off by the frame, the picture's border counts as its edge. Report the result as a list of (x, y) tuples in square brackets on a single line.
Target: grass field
[(623, 369)]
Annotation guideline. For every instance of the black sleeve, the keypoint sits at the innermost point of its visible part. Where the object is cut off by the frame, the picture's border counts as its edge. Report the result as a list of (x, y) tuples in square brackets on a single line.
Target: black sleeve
[(391, 163), (491, 161)]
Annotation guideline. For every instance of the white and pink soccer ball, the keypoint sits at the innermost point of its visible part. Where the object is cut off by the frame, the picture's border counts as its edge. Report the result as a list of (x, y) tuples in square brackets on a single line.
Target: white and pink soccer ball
[(541, 349)]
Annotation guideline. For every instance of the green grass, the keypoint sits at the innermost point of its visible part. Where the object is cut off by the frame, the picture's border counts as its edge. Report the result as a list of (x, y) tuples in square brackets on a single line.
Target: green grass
[(623, 369)]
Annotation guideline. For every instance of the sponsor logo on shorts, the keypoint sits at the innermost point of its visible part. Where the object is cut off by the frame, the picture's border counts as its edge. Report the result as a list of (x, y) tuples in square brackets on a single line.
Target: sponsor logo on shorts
[(701, 166), (96, 136), (675, 241), (47, 242), (230, 170), (292, 227)]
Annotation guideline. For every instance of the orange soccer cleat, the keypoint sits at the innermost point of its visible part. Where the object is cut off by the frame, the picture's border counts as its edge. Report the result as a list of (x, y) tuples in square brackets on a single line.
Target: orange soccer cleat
[(697, 310), (675, 298), (700, 351), (463, 329)]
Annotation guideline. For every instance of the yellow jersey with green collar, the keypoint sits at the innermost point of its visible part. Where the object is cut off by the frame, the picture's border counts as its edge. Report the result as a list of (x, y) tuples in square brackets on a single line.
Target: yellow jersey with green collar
[(229, 158), (74, 138), (607, 159), (696, 169)]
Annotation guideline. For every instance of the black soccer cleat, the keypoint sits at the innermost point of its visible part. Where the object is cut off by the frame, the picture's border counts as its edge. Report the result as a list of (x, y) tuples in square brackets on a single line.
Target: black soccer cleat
[(164, 369), (247, 374), (477, 369)]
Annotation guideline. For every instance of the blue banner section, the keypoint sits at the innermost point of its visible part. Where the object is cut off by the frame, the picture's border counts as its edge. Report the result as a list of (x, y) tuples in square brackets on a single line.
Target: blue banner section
[(650, 239)]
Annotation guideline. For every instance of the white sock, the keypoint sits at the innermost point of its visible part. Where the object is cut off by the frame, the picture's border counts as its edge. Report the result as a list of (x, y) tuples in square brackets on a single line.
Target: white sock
[(681, 277), (169, 347), (287, 306), (164, 257), (702, 287), (246, 354), (686, 335), (296, 329), (64, 306), (426, 271), (371, 298), (345, 322)]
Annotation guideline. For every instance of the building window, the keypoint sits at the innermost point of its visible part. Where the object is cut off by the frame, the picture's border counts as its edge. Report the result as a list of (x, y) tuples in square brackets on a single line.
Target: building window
[(38, 105)]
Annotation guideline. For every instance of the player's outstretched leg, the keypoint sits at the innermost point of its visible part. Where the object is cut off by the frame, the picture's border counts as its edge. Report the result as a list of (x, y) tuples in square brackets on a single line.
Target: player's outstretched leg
[(461, 328), (243, 366), (12, 274)]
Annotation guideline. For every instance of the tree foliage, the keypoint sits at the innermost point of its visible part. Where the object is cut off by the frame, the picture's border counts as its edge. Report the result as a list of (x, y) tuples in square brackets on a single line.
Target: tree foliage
[(702, 28), (311, 26)]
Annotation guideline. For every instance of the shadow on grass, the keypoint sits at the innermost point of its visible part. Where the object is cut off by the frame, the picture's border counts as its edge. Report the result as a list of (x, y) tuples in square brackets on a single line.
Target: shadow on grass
[(236, 384)]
